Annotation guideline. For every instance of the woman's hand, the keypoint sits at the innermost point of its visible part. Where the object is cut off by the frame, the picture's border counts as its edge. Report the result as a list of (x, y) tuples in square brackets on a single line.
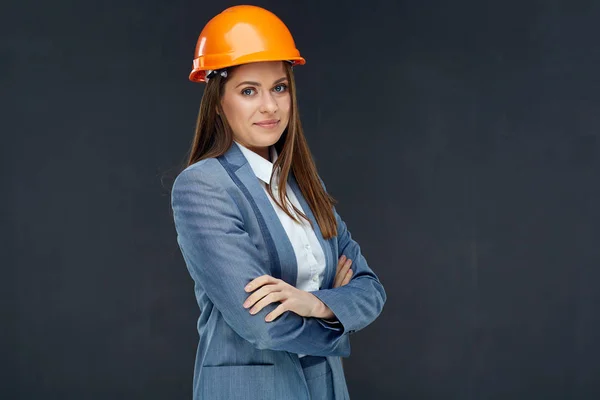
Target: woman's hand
[(343, 273), (269, 290)]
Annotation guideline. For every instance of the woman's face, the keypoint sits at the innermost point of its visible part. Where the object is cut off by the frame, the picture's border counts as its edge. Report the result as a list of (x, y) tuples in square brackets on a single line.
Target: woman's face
[(256, 101)]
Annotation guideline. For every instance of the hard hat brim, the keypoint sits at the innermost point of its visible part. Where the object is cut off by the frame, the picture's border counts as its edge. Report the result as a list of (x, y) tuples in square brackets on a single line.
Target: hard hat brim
[(198, 73)]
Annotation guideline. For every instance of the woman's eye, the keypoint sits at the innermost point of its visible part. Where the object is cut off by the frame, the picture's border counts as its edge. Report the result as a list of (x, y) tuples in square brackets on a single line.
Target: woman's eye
[(280, 88), (247, 92)]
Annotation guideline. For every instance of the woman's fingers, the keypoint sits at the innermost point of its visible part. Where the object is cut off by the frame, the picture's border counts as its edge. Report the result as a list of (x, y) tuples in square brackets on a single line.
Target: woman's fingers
[(258, 282), (338, 279), (347, 278), (341, 273), (340, 263), (259, 294), (276, 312), (268, 299), (343, 276)]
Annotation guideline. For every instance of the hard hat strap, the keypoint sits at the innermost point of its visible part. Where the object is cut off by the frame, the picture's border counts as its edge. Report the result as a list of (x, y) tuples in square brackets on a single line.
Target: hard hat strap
[(210, 73)]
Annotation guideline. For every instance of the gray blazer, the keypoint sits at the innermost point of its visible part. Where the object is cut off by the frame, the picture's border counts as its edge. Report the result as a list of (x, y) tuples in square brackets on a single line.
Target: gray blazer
[(229, 234)]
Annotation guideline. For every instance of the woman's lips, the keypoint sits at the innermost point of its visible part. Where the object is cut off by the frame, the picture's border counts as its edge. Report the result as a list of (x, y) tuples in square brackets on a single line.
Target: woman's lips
[(270, 124)]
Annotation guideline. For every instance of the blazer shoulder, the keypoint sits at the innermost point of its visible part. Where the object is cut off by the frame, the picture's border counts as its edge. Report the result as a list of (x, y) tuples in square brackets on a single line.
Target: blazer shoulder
[(208, 173), (208, 170)]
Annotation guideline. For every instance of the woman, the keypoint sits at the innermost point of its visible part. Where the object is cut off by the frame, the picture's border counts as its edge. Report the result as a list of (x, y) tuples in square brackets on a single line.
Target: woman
[(258, 231)]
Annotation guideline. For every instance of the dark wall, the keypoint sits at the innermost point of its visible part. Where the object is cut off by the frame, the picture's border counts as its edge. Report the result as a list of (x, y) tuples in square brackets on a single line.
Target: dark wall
[(460, 138)]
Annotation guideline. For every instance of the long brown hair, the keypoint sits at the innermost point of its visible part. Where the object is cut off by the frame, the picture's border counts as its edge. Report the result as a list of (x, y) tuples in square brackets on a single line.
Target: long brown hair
[(214, 137)]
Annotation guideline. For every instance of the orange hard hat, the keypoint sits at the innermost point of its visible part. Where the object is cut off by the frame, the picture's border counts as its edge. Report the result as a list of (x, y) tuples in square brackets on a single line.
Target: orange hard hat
[(240, 35)]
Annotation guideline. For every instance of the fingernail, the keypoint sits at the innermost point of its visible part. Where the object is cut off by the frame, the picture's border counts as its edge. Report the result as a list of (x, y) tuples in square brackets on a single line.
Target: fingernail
[(246, 305), (253, 311), (343, 257), (247, 288)]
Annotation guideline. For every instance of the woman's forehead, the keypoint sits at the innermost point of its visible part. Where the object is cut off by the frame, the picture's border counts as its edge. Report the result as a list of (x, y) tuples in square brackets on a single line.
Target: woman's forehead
[(268, 71)]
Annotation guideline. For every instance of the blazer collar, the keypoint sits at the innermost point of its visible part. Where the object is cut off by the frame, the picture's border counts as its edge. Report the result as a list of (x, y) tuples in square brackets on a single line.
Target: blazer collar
[(262, 168)]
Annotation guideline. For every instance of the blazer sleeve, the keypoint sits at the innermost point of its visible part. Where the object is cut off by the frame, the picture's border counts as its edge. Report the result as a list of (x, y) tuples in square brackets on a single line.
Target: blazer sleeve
[(222, 259), (358, 303)]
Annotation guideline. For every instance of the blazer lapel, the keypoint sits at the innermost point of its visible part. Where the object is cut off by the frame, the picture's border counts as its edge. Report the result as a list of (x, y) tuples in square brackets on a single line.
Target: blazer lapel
[(281, 252)]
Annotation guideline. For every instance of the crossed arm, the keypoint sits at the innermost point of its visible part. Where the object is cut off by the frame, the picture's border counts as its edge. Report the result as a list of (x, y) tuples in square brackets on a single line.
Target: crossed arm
[(222, 259), (268, 290)]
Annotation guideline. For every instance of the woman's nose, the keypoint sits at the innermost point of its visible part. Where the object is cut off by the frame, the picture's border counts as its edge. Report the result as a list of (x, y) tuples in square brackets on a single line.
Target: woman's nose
[(269, 104)]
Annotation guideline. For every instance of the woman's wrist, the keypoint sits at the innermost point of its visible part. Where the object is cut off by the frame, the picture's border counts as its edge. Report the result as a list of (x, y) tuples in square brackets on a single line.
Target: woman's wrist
[(322, 311)]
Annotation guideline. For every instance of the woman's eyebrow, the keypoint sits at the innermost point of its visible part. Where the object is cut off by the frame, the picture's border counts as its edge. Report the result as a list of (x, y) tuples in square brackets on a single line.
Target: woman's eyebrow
[(258, 84)]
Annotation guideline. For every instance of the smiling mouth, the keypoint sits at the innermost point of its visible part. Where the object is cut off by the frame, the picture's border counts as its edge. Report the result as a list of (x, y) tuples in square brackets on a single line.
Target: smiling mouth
[(268, 124)]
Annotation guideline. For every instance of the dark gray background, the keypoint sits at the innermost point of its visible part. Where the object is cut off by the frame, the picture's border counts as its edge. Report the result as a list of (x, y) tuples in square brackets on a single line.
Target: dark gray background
[(460, 138)]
